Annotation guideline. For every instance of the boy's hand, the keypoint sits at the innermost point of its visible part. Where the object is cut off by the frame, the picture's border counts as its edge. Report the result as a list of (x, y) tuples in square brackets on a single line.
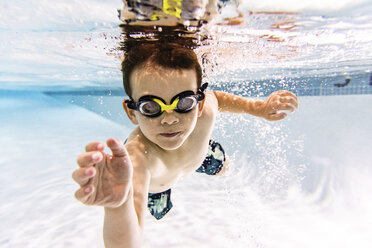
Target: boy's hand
[(105, 180), (277, 102)]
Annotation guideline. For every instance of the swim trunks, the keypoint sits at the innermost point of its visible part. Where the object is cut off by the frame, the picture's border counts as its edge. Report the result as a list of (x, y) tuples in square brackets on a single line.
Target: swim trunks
[(214, 161), (159, 204)]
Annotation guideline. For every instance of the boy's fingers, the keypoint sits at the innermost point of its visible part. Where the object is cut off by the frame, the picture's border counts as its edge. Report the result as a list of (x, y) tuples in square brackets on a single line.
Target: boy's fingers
[(286, 106), (83, 193), (286, 93), (276, 117), (117, 147), (89, 158), (95, 146), (290, 100), (83, 175)]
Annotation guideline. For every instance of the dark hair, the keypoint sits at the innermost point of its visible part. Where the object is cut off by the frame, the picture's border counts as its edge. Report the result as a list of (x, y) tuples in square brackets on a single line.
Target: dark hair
[(168, 55)]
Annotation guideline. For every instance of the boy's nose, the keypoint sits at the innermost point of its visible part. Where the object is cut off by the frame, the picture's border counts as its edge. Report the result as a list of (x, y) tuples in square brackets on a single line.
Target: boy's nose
[(169, 118)]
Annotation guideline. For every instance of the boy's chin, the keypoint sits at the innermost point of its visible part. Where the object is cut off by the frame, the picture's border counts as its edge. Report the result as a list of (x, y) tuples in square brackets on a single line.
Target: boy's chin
[(170, 145)]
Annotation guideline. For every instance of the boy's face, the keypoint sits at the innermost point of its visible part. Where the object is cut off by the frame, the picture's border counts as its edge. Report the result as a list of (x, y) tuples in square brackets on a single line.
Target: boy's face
[(169, 130)]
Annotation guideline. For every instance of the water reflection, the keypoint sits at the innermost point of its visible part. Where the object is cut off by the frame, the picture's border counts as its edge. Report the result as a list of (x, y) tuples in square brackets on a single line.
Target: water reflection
[(168, 12)]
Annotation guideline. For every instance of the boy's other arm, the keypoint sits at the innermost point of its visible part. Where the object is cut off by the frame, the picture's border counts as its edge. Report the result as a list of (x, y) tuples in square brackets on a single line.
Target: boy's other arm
[(270, 108)]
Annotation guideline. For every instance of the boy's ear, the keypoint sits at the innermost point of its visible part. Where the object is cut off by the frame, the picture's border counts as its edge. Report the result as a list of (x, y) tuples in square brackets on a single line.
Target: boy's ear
[(130, 113), (200, 107)]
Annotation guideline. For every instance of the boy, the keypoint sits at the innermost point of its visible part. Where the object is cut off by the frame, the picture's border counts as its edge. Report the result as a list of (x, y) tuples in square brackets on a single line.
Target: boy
[(175, 119)]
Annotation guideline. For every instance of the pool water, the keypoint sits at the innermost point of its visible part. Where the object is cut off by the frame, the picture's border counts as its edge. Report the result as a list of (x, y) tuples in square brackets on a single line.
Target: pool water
[(301, 182)]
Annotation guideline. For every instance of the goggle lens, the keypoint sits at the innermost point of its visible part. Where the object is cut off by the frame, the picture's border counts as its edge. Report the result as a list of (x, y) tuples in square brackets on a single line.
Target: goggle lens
[(186, 104), (149, 108)]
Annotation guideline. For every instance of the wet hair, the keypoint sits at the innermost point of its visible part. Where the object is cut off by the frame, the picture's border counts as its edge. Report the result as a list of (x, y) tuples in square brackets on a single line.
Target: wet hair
[(170, 55)]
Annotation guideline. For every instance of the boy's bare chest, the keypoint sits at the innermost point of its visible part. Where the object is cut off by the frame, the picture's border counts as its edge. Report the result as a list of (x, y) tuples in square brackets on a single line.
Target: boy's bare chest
[(172, 167)]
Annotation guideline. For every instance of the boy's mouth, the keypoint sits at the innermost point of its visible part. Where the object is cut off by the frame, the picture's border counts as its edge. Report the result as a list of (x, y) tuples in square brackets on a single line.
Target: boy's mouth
[(169, 135)]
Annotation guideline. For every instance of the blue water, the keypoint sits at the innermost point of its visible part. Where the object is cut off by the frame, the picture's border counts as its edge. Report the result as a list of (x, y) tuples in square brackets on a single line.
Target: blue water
[(301, 182)]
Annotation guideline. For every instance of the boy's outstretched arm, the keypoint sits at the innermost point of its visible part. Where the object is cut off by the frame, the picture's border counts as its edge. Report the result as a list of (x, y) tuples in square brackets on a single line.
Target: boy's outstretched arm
[(270, 109), (109, 181), (124, 226)]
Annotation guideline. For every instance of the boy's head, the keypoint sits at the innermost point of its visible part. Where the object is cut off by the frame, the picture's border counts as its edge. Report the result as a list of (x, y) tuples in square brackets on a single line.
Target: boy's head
[(166, 55), (162, 74)]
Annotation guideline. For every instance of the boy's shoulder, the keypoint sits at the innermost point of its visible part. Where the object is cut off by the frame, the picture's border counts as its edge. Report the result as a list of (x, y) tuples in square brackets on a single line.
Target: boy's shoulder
[(142, 152), (209, 95), (210, 107), (137, 144)]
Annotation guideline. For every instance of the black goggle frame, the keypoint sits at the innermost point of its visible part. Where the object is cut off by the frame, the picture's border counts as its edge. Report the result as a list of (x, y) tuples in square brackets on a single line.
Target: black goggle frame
[(199, 96)]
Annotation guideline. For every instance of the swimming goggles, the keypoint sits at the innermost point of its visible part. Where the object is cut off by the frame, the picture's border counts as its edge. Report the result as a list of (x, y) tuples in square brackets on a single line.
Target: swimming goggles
[(153, 106)]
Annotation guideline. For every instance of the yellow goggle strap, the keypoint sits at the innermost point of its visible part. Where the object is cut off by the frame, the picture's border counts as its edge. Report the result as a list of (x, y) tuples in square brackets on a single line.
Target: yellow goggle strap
[(165, 106)]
